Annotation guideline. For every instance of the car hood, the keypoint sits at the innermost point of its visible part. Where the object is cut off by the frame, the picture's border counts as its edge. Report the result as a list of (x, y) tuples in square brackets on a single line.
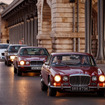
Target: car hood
[(2, 50), (74, 70), (34, 58)]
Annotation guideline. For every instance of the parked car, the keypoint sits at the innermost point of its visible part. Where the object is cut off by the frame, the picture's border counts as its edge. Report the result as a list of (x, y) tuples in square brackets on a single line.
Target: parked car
[(30, 59), (72, 72), (11, 52), (3, 47)]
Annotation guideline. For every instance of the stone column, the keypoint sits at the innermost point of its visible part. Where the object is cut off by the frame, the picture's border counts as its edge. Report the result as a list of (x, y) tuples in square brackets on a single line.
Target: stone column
[(28, 29), (100, 53), (88, 24), (25, 31), (22, 29), (35, 31), (10, 31), (32, 35)]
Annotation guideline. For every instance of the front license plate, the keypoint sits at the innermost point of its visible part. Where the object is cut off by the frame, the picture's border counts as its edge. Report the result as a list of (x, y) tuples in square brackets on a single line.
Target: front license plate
[(79, 88), (35, 68)]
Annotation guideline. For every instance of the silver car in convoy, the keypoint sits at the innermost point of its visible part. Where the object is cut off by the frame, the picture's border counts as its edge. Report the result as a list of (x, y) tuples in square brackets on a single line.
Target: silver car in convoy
[(3, 48), (11, 52)]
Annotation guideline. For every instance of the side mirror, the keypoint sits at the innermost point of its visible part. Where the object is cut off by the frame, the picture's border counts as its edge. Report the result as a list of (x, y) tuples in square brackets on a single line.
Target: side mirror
[(46, 63)]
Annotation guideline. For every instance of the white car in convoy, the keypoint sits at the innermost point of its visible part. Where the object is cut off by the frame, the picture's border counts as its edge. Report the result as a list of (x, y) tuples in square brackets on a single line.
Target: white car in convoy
[(3, 48)]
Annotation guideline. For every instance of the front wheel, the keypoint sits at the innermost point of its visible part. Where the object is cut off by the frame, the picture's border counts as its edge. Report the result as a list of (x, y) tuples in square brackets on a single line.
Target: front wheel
[(5, 62), (43, 86), (8, 64), (15, 70), (19, 73), (51, 91), (101, 93)]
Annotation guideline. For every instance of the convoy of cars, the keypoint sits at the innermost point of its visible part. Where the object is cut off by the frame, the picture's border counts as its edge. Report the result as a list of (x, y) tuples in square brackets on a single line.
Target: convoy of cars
[(60, 72)]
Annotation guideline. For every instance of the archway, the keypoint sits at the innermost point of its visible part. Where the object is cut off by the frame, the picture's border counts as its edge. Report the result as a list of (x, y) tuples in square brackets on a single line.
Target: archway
[(46, 21)]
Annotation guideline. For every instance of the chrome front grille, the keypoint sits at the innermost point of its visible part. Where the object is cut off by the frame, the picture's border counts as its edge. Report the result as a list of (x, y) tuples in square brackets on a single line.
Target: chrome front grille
[(36, 63), (79, 80)]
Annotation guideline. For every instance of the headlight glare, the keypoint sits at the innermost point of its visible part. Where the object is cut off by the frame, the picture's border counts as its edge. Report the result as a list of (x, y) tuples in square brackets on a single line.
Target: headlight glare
[(57, 78), (12, 57), (22, 62), (65, 78), (94, 78), (101, 78)]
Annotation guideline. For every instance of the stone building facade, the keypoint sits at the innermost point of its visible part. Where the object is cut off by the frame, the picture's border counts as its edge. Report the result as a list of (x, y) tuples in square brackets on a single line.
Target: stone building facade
[(22, 22), (3, 32), (59, 25), (72, 27)]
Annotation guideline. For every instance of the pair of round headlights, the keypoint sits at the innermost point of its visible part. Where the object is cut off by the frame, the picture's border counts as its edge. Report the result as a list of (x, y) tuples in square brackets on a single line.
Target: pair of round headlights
[(57, 78), (23, 63), (101, 78)]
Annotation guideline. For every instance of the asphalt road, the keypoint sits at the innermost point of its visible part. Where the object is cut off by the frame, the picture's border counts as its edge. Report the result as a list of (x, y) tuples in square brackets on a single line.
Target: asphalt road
[(25, 90)]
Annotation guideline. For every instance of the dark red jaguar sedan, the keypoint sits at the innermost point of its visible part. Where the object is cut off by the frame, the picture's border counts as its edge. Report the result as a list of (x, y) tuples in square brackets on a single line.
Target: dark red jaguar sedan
[(30, 59), (72, 72)]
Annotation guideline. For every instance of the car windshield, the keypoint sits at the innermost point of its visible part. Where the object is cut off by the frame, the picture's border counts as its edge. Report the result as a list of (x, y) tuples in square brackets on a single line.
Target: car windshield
[(33, 51), (73, 60), (14, 48), (4, 46)]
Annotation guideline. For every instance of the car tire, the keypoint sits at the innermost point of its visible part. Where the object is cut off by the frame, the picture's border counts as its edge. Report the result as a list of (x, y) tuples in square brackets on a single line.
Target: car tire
[(8, 63), (51, 92), (5, 62), (101, 93), (15, 70), (19, 73), (43, 86)]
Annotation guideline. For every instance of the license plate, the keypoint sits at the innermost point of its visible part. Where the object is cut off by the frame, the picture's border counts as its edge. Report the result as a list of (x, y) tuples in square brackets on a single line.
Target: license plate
[(79, 88), (35, 68)]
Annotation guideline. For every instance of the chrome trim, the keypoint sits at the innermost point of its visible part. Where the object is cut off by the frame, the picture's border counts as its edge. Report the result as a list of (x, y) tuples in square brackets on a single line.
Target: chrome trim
[(74, 75), (80, 75), (29, 66), (69, 87)]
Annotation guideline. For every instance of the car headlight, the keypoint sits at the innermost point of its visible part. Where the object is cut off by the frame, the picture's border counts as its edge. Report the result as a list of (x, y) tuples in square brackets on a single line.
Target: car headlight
[(27, 63), (57, 78), (22, 62), (94, 78), (101, 78), (12, 57), (65, 78)]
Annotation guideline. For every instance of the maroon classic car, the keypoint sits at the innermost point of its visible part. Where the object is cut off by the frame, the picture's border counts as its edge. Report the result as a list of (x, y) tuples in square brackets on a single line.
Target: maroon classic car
[(72, 72), (30, 59)]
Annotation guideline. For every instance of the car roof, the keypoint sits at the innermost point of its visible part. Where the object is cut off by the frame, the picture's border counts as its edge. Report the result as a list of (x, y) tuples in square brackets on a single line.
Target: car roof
[(32, 47), (4, 44), (67, 53), (17, 45)]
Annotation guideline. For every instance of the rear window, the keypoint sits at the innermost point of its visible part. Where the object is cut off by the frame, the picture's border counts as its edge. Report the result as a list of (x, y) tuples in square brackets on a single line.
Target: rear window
[(4, 46)]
